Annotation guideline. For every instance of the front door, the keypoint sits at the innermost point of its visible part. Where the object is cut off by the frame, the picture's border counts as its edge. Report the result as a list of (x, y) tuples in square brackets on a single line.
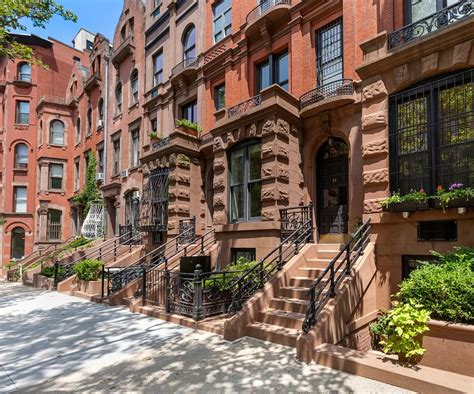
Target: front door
[(332, 191)]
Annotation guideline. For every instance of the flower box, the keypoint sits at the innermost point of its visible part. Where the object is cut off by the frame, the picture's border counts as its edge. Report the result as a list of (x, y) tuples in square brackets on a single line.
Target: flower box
[(187, 130), (454, 203), (408, 206)]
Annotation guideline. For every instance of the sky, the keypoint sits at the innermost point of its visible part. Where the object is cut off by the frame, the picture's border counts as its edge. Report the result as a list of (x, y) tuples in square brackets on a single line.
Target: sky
[(97, 16)]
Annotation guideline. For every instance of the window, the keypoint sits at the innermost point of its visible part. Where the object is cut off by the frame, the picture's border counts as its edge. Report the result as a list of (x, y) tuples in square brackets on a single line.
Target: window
[(78, 130), (154, 125), (89, 121), (189, 44), (100, 111), (123, 33), (55, 176), (417, 10), (245, 163), (156, 8), (21, 156), (41, 132), (437, 230), (116, 145), (86, 163), (118, 98), (20, 199), (89, 45), (135, 158), (56, 132), (100, 154), (54, 225), (77, 172), (134, 86), (329, 53), (24, 72), (222, 19), (132, 208), (158, 68), (274, 70), (432, 135), (189, 111), (242, 253), (411, 263), (18, 243), (22, 112), (219, 97)]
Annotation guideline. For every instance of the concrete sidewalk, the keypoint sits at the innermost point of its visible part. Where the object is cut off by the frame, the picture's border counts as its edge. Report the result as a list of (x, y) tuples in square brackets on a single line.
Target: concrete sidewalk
[(53, 342)]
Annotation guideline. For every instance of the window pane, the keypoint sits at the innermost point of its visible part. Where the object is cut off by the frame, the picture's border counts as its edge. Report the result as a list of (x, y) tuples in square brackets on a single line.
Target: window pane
[(20, 199), (264, 76), (237, 201), (255, 200), (422, 9), (237, 166), (329, 53), (255, 162), (282, 69), (56, 170)]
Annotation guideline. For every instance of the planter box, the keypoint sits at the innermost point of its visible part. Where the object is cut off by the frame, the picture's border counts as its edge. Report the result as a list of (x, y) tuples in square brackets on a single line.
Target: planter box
[(454, 203), (409, 206), (187, 130), (90, 287), (43, 282)]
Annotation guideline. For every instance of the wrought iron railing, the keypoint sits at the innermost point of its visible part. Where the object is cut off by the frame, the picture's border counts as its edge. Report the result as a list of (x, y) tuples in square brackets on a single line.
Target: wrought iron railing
[(206, 138), (244, 106), (128, 234), (160, 144), (107, 252), (332, 89), (187, 230), (293, 218), (54, 232), (264, 7), (431, 23), (154, 203), (325, 287), (192, 62)]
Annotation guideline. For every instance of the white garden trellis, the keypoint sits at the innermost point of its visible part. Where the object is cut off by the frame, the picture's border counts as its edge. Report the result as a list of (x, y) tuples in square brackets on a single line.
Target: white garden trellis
[(93, 226)]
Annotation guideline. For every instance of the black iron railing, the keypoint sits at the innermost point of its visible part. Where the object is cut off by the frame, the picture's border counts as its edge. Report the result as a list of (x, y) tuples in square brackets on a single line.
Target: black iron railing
[(192, 62), (107, 252), (160, 144), (431, 23), (293, 218), (187, 231), (263, 8), (154, 203), (332, 89), (325, 287), (128, 234), (244, 106)]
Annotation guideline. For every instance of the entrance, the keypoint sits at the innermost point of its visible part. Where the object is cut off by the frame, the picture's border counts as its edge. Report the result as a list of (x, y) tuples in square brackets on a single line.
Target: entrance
[(332, 190), (18, 243)]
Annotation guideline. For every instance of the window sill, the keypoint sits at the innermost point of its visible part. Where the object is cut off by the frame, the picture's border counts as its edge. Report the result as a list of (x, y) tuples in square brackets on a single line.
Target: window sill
[(55, 146), (21, 125), (54, 191), (133, 106), (20, 169), (134, 169), (117, 117)]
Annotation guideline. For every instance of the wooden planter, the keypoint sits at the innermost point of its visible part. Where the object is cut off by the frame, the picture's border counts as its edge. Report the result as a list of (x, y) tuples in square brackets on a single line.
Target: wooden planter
[(409, 206), (187, 130)]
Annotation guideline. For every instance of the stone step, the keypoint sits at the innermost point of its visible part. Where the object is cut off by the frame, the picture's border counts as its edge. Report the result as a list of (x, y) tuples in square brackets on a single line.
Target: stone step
[(309, 272), (272, 333), (281, 318), (318, 263), (289, 304), (294, 292), (328, 246), (301, 281), (327, 254)]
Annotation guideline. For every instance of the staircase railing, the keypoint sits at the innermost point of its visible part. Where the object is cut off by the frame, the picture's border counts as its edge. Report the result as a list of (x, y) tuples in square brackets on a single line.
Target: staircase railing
[(324, 288), (109, 250), (292, 218), (255, 278)]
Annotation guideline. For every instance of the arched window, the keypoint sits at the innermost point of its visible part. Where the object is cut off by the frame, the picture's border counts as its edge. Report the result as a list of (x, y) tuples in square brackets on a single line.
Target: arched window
[(118, 97), (134, 86), (189, 43), (21, 156), (78, 130), (17, 243), (24, 72), (100, 111), (56, 132), (89, 121)]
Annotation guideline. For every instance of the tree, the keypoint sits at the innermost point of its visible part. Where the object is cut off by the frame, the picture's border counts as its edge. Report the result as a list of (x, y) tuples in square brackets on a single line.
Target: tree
[(13, 14), (90, 194)]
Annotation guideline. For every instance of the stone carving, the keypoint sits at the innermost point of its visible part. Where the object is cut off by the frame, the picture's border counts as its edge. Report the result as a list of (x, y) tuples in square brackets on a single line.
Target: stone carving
[(283, 127), (268, 194), (183, 161), (283, 152), (374, 90), (230, 138), (219, 200), (218, 144), (171, 224), (372, 206), (283, 173), (171, 194), (172, 209), (267, 151), (183, 209), (172, 179), (377, 119), (294, 130), (183, 194), (219, 218), (375, 177), (184, 179), (401, 74), (203, 212), (375, 148), (461, 53), (253, 130), (429, 63), (268, 172), (283, 195), (218, 183), (268, 215), (268, 127)]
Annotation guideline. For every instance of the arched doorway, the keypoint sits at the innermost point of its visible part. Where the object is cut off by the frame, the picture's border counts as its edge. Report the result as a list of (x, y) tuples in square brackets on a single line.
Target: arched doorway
[(18, 243), (332, 209)]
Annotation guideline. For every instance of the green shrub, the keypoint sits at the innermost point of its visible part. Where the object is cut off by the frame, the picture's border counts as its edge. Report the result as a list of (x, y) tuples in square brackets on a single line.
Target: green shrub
[(401, 328), (224, 282), (396, 198), (190, 125), (77, 243), (88, 269), (445, 286), (49, 271)]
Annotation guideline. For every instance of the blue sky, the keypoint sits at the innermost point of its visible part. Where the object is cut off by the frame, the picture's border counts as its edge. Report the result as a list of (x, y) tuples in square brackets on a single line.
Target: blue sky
[(97, 16)]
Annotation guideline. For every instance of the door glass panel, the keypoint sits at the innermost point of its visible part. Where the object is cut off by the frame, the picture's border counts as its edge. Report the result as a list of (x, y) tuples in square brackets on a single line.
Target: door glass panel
[(422, 8)]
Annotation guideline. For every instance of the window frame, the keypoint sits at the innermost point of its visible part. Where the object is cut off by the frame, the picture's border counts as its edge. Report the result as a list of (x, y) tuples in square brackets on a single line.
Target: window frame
[(51, 186), (191, 48), (224, 27), (158, 73), (134, 87), (52, 133), (217, 106), (78, 134), (77, 173), (119, 98), (16, 200), (273, 64), (22, 76), (320, 65), (116, 156), (19, 115), (134, 149), (194, 110), (17, 163)]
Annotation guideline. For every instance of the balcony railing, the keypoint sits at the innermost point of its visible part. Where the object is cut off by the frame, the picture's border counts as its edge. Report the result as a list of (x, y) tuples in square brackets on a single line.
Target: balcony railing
[(54, 232), (160, 144), (191, 62), (244, 106), (431, 23), (264, 7), (332, 89)]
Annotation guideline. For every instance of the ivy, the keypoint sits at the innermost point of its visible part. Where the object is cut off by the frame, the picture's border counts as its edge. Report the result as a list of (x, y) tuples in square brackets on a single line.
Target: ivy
[(91, 193)]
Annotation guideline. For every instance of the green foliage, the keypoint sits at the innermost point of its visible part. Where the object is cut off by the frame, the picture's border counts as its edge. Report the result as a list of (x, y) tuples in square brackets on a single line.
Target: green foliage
[(224, 281), (188, 124), (455, 191), (154, 136), (402, 327), (49, 271), (88, 269), (90, 194), (414, 196), (13, 15), (77, 243), (445, 286)]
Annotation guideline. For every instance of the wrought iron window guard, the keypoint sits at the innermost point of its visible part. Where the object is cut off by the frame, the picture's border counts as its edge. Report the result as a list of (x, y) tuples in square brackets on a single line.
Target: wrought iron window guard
[(435, 21), (333, 89), (244, 106), (325, 287), (154, 204), (192, 62), (263, 8)]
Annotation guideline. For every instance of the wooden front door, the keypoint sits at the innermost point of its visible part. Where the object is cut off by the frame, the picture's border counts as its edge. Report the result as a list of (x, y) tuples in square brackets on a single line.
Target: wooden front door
[(332, 188)]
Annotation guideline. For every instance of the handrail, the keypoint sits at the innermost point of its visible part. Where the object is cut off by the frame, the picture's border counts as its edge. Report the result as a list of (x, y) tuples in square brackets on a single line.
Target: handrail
[(356, 244), (332, 89), (263, 8), (184, 64)]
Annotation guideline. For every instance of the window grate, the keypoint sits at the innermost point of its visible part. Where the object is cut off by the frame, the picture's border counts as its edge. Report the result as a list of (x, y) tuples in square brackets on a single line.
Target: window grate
[(437, 230), (329, 51)]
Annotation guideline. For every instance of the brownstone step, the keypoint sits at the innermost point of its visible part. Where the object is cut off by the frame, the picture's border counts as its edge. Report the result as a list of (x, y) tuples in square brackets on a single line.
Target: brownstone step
[(309, 272), (289, 304), (281, 318), (294, 292), (301, 281), (327, 254), (272, 333), (319, 263)]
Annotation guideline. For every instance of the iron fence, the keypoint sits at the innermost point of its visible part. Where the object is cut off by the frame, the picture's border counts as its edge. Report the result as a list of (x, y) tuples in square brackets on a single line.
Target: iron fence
[(54, 232), (191, 62), (263, 8), (244, 106), (293, 218), (331, 89)]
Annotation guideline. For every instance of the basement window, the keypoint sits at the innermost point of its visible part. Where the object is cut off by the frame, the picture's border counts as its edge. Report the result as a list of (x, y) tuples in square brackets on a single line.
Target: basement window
[(248, 254), (437, 230), (412, 262)]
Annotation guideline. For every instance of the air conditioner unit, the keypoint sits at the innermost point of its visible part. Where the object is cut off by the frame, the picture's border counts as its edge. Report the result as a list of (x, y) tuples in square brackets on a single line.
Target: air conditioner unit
[(100, 123), (100, 176), (124, 173)]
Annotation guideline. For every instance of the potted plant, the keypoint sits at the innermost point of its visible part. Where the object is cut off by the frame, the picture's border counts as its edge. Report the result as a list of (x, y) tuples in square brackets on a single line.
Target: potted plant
[(188, 127), (402, 330), (153, 136), (413, 201), (457, 196), (88, 272)]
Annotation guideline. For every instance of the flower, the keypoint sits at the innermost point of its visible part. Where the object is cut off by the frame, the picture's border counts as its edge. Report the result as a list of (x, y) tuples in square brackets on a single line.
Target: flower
[(456, 186), (440, 188), (422, 190)]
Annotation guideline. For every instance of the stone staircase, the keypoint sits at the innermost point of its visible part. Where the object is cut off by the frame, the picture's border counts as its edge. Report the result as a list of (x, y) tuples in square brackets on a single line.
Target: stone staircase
[(282, 320)]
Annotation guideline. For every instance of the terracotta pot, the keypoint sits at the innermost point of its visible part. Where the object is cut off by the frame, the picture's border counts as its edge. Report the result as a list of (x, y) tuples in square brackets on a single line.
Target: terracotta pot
[(187, 130)]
